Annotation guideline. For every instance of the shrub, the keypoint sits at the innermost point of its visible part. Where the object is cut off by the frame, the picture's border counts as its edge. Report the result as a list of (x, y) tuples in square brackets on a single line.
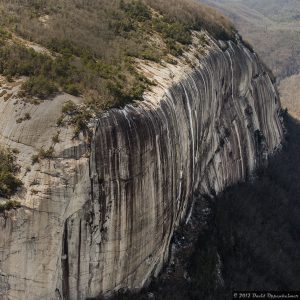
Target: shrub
[(8, 205), (173, 30), (69, 108), (60, 121), (26, 117), (4, 34), (80, 121), (171, 61), (9, 184), (46, 154), (55, 138), (151, 55), (63, 46), (72, 89), (122, 27), (35, 159), (43, 154), (17, 60), (195, 16), (174, 48), (124, 94), (78, 117), (39, 87), (137, 10)]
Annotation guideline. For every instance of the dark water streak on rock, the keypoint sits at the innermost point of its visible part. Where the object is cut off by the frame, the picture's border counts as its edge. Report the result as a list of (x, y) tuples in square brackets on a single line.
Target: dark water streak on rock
[(209, 131)]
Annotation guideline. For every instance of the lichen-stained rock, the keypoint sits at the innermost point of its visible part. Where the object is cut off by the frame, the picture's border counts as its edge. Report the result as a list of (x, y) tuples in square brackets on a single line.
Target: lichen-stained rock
[(106, 223)]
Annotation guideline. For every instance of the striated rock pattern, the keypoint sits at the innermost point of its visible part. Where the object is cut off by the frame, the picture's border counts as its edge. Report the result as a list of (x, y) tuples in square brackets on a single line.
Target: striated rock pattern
[(105, 222)]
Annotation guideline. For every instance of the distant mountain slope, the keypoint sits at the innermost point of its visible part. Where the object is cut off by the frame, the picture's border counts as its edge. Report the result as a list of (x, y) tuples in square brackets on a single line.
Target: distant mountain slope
[(279, 10), (278, 43), (273, 28), (290, 93)]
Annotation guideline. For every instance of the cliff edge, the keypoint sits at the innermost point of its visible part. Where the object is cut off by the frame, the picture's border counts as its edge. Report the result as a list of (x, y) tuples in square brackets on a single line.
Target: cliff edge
[(98, 216)]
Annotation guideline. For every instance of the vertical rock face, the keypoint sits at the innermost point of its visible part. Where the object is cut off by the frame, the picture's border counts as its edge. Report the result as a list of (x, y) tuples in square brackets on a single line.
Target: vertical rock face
[(202, 131)]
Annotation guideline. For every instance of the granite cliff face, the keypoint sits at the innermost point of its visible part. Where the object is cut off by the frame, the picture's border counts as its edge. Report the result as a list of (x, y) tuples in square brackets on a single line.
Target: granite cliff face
[(100, 217)]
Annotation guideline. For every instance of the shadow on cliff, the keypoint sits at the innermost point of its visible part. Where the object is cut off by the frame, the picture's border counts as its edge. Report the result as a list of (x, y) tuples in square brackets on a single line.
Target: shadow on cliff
[(251, 239)]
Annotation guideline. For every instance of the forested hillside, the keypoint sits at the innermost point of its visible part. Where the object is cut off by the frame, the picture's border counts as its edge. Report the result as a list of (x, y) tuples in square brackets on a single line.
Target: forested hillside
[(62, 46)]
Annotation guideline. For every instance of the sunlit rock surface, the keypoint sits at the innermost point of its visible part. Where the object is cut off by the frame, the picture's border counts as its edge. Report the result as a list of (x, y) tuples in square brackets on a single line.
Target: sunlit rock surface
[(100, 218)]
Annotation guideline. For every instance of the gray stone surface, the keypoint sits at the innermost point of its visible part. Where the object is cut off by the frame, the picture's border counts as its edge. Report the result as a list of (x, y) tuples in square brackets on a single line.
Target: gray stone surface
[(102, 218)]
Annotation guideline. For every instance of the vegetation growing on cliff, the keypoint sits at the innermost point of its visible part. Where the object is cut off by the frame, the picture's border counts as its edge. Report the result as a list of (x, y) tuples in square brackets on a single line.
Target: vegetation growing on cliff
[(8, 169), (8, 205), (94, 44)]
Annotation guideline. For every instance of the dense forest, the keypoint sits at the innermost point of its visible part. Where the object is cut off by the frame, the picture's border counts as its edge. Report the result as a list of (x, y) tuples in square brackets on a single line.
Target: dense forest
[(250, 240)]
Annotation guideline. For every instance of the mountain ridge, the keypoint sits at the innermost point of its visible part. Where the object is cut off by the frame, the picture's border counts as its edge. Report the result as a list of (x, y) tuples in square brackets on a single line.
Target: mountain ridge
[(104, 190)]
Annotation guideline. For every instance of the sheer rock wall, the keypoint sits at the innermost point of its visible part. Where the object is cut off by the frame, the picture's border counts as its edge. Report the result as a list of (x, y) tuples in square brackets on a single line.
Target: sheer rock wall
[(103, 216)]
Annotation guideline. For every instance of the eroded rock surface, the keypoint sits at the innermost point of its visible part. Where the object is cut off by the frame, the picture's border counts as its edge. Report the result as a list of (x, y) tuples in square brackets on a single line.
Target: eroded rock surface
[(102, 217)]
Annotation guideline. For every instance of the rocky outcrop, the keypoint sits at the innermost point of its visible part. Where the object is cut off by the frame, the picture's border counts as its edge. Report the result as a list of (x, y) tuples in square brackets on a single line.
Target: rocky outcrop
[(102, 217)]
